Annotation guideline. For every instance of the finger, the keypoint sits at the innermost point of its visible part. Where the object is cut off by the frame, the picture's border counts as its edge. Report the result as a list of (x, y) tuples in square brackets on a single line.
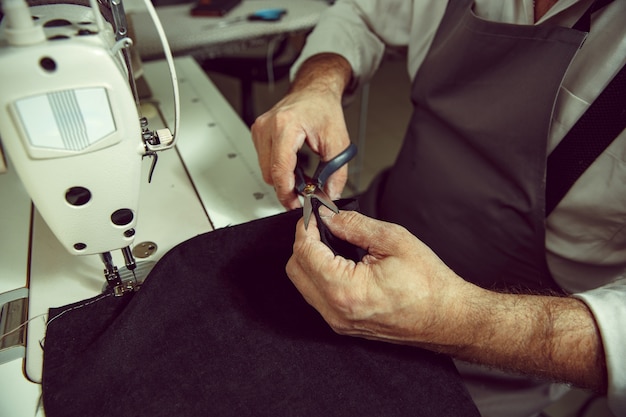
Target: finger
[(306, 236), (308, 253), (336, 183), (262, 140), (311, 253), (299, 279), (277, 145), (331, 148), (377, 237), (283, 164)]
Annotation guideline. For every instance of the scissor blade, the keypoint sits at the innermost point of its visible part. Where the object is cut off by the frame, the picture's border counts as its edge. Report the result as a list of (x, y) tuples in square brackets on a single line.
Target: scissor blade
[(307, 210), (325, 200)]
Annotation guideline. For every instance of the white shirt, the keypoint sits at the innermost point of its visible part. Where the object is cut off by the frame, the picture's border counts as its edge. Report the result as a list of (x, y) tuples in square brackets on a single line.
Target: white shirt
[(586, 233)]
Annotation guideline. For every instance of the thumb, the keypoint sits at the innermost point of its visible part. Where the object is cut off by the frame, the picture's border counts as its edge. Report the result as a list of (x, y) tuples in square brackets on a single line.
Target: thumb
[(336, 183), (377, 237)]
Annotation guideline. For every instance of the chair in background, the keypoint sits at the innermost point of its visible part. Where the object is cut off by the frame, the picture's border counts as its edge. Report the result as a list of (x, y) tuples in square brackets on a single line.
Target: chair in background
[(267, 67)]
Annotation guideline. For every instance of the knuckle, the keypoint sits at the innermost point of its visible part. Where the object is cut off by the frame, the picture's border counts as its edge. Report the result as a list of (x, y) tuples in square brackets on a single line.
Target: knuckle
[(291, 266), (259, 126), (267, 175), (267, 178), (281, 174), (284, 116), (338, 327)]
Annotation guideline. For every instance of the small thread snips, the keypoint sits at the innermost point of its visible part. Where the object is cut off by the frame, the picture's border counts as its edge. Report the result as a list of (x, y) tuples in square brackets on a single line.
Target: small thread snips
[(312, 188)]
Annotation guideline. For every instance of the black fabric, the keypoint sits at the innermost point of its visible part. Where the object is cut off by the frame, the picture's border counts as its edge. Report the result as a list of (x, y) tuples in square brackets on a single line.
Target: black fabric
[(597, 128), (338, 246), (218, 329)]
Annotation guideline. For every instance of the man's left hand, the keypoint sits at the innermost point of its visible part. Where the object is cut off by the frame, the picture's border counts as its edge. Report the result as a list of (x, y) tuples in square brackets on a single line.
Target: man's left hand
[(400, 292)]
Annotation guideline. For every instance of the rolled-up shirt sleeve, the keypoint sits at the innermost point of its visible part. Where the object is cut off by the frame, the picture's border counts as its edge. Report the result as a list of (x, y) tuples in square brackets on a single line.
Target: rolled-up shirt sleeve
[(608, 305), (359, 30)]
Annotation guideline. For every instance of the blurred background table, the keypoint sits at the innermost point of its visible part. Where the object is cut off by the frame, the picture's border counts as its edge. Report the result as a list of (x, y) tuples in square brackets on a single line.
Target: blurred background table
[(250, 51), (208, 37)]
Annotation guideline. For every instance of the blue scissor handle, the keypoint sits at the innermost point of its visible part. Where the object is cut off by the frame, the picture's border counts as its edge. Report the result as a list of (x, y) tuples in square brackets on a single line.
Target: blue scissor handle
[(326, 169)]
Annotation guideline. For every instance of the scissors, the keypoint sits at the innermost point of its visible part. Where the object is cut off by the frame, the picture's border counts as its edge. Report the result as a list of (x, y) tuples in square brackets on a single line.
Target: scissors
[(312, 188)]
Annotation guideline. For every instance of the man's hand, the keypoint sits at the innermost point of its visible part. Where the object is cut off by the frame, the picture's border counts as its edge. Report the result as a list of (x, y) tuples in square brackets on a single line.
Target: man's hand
[(310, 112), (401, 292)]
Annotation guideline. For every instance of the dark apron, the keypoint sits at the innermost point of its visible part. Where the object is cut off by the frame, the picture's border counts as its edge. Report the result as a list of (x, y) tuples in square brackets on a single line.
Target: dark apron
[(470, 178)]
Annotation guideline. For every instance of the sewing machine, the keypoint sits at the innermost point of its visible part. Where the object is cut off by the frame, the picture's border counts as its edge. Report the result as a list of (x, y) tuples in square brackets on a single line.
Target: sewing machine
[(81, 144)]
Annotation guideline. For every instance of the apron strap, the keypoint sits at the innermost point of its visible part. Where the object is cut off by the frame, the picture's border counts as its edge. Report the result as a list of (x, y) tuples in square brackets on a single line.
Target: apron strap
[(584, 23), (591, 135)]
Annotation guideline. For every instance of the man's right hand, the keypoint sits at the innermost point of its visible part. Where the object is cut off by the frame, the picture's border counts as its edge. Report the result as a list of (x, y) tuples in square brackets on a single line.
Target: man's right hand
[(311, 112)]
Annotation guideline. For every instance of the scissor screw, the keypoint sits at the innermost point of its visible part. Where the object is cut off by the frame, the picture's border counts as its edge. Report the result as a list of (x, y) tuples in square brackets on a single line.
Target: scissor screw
[(309, 189)]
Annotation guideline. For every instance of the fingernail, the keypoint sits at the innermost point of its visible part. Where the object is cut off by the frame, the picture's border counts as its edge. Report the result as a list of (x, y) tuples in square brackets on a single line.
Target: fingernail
[(325, 213)]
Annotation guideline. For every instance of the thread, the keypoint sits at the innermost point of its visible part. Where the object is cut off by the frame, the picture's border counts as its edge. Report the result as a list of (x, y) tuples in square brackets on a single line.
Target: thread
[(2, 336), (77, 307)]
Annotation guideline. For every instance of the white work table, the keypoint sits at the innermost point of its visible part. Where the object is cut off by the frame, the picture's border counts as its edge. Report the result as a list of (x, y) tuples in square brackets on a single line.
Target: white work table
[(211, 180), (205, 37)]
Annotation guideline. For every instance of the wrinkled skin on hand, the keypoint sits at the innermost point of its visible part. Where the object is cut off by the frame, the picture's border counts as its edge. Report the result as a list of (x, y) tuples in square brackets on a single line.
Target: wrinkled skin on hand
[(311, 117), (311, 112), (400, 292)]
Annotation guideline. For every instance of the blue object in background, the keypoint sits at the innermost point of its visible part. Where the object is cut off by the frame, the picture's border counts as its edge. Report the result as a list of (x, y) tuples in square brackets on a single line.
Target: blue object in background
[(268, 15)]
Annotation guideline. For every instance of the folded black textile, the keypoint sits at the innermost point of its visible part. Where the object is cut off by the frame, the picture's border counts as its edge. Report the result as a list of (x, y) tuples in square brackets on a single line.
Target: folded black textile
[(218, 329)]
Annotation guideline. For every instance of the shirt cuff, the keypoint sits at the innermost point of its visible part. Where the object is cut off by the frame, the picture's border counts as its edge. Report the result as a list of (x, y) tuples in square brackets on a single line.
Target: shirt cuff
[(608, 306)]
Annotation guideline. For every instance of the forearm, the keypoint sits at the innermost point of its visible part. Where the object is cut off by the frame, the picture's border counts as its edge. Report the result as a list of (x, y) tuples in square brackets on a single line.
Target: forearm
[(401, 292), (326, 72), (554, 338)]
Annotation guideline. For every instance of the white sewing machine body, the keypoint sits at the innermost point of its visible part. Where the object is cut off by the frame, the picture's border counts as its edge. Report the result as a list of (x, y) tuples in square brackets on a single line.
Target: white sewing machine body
[(211, 180), (68, 109)]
